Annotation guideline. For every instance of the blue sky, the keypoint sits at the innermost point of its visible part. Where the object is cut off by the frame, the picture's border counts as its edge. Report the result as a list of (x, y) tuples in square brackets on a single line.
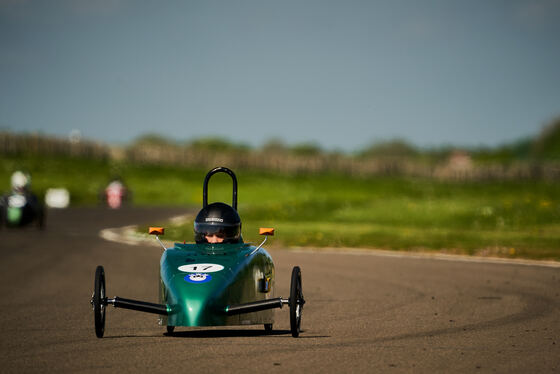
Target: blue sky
[(342, 74)]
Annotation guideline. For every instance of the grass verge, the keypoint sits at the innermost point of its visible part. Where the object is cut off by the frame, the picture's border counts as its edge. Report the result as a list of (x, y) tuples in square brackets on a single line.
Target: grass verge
[(500, 218)]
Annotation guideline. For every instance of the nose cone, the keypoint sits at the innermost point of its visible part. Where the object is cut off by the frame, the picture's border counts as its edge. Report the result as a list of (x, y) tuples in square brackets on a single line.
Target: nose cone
[(195, 312), (194, 301)]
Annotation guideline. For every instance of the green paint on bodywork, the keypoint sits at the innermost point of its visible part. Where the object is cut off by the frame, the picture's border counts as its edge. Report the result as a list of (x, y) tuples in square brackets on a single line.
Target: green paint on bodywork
[(205, 303), (13, 215)]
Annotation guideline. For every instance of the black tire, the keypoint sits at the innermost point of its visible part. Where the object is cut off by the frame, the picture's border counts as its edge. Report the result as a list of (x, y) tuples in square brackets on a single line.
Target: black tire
[(268, 327), (170, 330), (41, 218), (99, 301), (2, 212), (296, 302)]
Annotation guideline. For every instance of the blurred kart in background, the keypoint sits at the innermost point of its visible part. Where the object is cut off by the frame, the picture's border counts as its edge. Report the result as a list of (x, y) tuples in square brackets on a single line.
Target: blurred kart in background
[(116, 194), (21, 207), (57, 198)]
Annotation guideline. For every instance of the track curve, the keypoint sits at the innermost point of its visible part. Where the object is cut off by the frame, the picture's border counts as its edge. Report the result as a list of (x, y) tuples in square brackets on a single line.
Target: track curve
[(364, 313)]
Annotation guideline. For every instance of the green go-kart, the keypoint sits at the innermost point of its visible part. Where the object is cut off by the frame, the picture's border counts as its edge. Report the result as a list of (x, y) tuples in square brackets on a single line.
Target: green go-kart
[(19, 209), (211, 284)]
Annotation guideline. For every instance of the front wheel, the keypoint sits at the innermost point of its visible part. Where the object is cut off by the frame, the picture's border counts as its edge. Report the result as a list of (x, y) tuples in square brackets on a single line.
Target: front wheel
[(2, 213), (99, 301), (41, 218), (296, 302)]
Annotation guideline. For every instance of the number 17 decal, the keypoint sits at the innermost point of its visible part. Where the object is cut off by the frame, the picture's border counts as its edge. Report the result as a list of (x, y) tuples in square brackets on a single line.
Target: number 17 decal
[(201, 268)]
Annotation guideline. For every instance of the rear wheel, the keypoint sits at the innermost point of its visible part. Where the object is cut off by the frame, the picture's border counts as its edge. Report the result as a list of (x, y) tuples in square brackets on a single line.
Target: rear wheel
[(99, 301), (41, 218), (2, 212), (296, 302)]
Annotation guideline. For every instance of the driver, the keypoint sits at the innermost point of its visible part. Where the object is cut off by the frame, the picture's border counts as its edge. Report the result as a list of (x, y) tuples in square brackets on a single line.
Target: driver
[(217, 223), (21, 206), (214, 238), (20, 182)]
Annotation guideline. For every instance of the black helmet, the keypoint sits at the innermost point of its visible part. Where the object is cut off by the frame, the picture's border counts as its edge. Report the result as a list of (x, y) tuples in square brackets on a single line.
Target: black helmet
[(218, 218)]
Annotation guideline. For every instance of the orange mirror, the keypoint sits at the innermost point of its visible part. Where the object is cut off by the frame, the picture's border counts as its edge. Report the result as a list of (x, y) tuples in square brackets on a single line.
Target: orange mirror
[(266, 231), (156, 230)]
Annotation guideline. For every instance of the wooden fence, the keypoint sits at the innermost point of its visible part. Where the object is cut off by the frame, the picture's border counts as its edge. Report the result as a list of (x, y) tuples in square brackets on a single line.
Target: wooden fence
[(457, 167), (284, 162), (19, 144)]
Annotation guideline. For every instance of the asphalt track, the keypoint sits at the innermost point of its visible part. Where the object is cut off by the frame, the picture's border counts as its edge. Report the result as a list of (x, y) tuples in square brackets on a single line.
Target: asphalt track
[(364, 313)]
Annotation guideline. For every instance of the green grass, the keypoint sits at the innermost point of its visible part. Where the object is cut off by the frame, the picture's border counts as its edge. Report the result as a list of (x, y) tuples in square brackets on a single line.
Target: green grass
[(509, 219)]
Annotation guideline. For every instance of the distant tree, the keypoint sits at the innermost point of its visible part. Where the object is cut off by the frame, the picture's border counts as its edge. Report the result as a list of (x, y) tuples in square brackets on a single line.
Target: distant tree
[(217, 144), (547, 145), (306, 149), (153, 139), (396, 148), (438, 154), (506, 153), (275, 145)]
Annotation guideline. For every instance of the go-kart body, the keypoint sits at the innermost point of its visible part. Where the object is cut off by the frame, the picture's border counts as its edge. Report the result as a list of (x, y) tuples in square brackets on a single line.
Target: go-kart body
[(206, 284), (200, 281), (20, 209)]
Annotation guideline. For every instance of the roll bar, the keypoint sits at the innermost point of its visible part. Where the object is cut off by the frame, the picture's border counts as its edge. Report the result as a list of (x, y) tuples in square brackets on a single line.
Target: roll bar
[(220, 169)]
